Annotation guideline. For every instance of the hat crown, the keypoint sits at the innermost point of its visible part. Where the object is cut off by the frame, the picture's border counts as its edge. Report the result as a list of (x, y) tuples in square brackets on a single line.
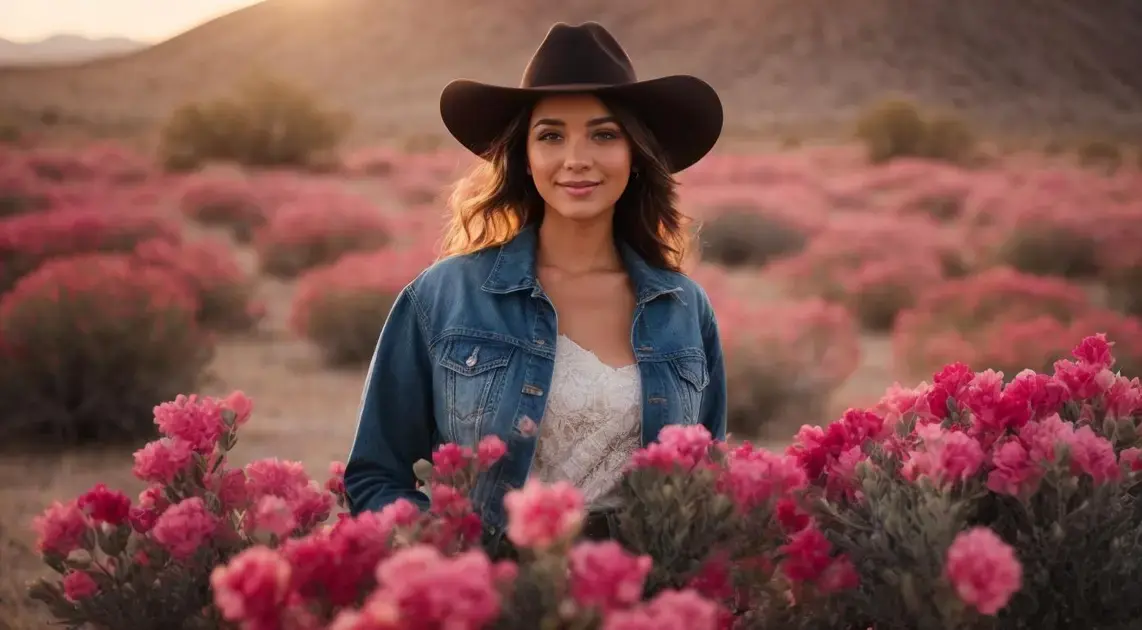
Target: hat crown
[(586, 54)]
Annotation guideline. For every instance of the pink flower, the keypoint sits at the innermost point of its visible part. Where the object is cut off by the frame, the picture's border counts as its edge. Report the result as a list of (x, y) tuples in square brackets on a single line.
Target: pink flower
[(947, 456), (753, 478), (230, 486), (983, 570), (274, 476), (489, 451), (1131, 458), (539, 514), (105, 506), (195, 420), (1094, 351), (1015, 474), (241, 405), (806, 555), (336, 481), (450, 458), (1123, 397), (310, 503), (272, 515), (253, 587), (78, 585), (604, 575), (669, 610), (184, 527), (62, 528), (1094, 456), (160, 461), (678, 446), (419, 587)]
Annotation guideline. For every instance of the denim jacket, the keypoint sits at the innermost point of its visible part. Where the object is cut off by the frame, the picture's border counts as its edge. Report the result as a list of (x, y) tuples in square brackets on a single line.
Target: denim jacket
[(468, 351)]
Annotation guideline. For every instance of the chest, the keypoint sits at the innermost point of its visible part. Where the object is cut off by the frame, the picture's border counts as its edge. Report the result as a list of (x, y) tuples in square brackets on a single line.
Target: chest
[(597, 313)]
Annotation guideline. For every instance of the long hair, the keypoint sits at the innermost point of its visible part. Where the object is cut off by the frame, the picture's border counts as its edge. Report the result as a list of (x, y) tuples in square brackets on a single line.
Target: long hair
[(490, 205)]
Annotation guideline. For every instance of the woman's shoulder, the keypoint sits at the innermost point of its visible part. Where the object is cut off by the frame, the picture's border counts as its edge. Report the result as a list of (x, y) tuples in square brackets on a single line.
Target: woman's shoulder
[(454, 273)]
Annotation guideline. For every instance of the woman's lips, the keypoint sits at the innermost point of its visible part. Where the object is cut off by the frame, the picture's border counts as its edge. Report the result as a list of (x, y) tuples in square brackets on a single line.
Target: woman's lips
[(580, 189)]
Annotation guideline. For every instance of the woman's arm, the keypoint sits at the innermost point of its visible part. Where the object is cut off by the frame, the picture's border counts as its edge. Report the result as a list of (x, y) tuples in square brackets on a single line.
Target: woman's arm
[(395, 422), (712, 413)]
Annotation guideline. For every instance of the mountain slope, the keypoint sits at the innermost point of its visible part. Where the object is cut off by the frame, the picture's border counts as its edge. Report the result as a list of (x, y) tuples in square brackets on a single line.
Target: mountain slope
[(1032, 64), (64, 49)]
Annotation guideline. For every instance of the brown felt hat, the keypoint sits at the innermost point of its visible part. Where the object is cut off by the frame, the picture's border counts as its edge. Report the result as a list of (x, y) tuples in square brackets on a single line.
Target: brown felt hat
[(683, 112)]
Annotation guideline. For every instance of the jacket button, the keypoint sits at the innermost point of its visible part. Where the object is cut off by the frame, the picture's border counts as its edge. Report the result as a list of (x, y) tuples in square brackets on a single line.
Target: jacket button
[(541, 342)]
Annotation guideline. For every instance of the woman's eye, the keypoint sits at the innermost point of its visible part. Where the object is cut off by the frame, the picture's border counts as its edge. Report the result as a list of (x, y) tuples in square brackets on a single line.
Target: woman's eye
[(607, 135), (548, 135)]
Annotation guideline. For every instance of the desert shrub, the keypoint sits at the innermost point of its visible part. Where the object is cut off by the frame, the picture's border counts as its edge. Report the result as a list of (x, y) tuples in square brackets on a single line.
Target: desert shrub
[(28, 240), (317, 231), (10, 132), (1100, 153), (748, 237), (896, 128), (91, 343), (267, 122), (20, 191), (974, 503), (1039, 224), (228, 202), (60, 165), (1002, 319), (788, 367), (224, 292), (873, 265), (341, 307), (1120, 257)]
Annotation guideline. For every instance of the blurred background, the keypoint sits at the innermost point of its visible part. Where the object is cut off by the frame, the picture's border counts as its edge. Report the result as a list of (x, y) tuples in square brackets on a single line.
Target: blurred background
[(225, 195)]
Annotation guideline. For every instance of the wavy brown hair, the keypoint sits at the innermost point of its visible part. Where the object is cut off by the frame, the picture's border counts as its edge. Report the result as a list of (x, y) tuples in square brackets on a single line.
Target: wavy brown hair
[(491, 204)]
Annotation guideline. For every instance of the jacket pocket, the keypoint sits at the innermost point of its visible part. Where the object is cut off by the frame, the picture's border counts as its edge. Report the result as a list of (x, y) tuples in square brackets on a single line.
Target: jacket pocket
[(475, 371), (691, 378)]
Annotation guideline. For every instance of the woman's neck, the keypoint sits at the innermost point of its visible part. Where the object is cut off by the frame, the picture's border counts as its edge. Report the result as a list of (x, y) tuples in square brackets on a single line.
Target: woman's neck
[(577, 246)]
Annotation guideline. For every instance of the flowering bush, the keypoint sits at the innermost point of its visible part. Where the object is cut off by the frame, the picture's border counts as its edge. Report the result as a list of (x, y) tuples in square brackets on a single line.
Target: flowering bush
[(1003, 319), (967, 503), (747, 236), (228, 202), (20, 191), (317, 231), (1025, 484), (30, 239), (341, 307), (147, 564), (788, 367), (1119, 256), (89, 344), (873, 265), (209, 267)]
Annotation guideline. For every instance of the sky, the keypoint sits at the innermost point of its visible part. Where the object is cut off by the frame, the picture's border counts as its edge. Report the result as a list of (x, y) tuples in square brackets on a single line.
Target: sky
[(147, 20)]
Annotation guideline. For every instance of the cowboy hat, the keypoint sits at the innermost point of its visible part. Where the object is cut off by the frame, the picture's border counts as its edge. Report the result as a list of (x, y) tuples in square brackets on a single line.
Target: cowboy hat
[(683, 112)]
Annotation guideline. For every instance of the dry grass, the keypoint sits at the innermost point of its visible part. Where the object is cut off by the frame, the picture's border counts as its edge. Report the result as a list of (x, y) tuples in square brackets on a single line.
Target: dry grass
[(784, 67)]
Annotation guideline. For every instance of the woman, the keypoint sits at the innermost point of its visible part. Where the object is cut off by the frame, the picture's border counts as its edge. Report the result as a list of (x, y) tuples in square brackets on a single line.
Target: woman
[(559, 319)]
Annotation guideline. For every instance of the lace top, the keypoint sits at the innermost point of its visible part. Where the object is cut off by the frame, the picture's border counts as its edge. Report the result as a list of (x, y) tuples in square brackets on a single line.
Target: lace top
[(592, 424)]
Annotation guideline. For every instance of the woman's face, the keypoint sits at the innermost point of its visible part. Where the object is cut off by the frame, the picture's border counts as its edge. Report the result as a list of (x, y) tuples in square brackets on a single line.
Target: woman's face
[(579, 157)]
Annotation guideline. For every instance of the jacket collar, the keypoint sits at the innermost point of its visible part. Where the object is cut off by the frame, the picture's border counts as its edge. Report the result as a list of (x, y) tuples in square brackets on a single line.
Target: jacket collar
[(514, 270)]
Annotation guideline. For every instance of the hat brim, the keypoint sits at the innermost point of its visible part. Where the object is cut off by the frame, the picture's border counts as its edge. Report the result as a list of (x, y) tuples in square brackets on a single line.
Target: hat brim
[(683, 112)]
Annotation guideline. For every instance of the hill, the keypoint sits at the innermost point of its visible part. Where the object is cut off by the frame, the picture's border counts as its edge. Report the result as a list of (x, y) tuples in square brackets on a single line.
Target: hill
[(1028, 66), (64, 49)]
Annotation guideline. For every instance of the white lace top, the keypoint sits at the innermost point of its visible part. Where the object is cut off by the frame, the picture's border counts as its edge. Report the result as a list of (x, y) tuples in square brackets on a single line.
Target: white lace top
[(592, 425)]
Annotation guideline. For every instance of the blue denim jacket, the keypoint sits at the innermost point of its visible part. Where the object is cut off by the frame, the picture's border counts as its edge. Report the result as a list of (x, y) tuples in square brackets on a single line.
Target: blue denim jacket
[(468, 351)]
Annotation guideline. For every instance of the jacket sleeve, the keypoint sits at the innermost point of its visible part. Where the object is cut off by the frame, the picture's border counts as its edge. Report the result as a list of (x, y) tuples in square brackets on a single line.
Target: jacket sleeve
[(712, 413), (395, 423)]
